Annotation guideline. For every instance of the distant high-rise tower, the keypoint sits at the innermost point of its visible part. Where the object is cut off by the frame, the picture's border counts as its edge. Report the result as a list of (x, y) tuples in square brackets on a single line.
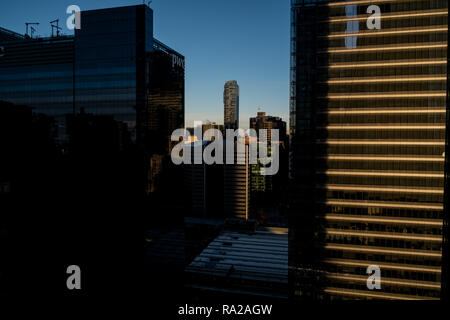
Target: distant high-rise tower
[(231, 104)]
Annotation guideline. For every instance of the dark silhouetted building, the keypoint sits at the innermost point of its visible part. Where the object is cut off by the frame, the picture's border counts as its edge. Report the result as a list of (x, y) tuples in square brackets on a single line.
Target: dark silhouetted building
[(163, 114), (119, 71), (88, 142), (6, 35), (204, 185)]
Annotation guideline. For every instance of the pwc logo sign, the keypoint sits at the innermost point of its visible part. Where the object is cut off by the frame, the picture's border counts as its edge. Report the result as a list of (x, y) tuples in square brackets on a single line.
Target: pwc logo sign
[(373, 22)]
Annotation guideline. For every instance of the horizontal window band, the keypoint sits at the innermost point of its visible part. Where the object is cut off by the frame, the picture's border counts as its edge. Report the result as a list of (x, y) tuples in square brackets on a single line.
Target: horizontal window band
[(382, 265), (367, 249), (383, 142), (385, 80), (384, 127), (382, 174), (389, 281), (410, 14), (372, 158), (388, 48), (382, 95), (386, 64), (389, 32), (360, 188), (383, 235), (377, 295), (383, 220), (368, 204), (383, 111)]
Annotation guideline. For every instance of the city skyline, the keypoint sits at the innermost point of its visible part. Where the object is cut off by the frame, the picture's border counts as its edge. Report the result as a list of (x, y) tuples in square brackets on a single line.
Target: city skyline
[(338, 193), (258, 57)]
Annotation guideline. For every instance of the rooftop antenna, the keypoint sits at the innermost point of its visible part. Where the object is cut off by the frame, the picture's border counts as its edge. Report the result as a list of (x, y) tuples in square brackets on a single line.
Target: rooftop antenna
[(57, 27), (32, 29)]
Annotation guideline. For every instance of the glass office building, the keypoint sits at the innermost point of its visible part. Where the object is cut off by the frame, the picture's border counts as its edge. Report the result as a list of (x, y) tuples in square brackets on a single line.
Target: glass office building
[(164, 113), (112, 66), (110, 71), (39, 73), (368, 140), (104, 69)]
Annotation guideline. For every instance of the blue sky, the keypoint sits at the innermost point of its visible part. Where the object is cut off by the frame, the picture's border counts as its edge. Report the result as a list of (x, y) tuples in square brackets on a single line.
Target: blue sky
[(243, 40)]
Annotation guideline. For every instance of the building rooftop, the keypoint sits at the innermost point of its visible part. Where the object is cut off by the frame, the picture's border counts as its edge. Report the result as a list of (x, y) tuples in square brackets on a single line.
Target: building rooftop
[(6, 35), (258, 258)]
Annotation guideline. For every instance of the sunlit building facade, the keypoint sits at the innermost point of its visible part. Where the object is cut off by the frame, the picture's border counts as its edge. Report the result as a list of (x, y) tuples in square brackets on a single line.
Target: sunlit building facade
[(368, 138)]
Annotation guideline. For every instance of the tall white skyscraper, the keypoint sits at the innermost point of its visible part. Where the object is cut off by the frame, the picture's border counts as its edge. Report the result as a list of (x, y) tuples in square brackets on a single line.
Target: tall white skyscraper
[(231, 104)]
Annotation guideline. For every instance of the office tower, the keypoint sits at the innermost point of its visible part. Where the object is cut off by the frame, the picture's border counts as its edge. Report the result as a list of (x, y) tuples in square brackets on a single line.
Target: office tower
[(368, 129), (231, 104), (195, 182), (261, 121), (203, 185), (110, 63), (97, 93), (268, 191), (119, 71), (236, 185), (236, 176), (164, 114), (212, 125), (39, 73), (67, 74)]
